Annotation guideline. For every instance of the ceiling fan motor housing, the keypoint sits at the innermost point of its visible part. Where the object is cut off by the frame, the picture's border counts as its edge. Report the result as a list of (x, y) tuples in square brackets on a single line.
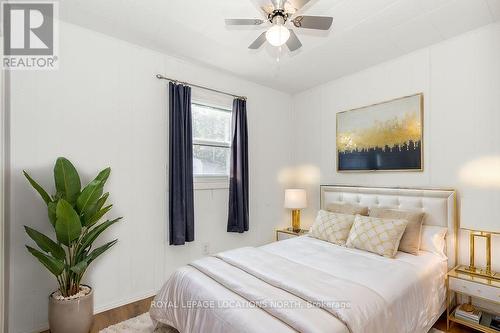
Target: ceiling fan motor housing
[(278, 16)]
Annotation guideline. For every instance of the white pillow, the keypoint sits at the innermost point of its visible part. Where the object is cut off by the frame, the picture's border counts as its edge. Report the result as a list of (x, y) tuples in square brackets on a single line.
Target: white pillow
[(433, 239)]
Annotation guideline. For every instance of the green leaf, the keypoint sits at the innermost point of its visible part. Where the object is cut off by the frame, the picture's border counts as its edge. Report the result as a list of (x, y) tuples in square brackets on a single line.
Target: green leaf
[(89, 238), (89, 196), (45, 243), (94, 219), (102, 201), (52, 213), (81, 255), (68, 227), (55, 266), (86, 202), (104, 175), (100, 250), (67, 180), (93, 209), (45, 196), (80, 267)]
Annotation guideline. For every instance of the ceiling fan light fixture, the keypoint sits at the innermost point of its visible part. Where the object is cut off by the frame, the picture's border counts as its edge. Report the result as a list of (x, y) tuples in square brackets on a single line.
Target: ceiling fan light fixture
[(277, 35), (279, 13)]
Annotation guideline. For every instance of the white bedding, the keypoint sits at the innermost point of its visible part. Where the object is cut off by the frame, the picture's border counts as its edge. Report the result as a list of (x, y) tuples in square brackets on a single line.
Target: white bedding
[(405, 294)]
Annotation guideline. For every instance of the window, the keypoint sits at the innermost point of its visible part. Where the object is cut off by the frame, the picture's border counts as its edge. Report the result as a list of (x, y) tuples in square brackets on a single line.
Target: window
[(211, 141)]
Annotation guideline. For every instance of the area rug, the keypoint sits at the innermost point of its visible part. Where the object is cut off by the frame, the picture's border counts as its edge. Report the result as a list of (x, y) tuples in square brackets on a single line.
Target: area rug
[(143, 324), (139, 324)]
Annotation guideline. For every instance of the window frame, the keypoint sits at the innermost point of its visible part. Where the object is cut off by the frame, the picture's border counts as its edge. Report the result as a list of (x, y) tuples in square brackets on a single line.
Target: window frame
[(211, 181)]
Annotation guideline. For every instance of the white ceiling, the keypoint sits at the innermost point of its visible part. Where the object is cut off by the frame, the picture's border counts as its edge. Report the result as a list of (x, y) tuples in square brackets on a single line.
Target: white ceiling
[(364, 33)]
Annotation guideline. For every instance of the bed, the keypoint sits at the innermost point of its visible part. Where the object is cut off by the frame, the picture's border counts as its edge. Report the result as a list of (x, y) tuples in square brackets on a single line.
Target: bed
[(304, 284)]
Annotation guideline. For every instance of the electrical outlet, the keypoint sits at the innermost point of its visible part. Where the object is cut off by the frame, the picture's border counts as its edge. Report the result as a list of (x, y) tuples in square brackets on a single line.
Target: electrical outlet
[(206, 248)]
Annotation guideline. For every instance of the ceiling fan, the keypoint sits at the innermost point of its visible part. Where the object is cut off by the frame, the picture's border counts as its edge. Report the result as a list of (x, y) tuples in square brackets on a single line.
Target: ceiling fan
[(279, 13)]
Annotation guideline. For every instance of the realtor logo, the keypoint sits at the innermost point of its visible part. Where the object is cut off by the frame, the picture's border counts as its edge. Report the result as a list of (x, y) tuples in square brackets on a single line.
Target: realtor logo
[(29, 35)]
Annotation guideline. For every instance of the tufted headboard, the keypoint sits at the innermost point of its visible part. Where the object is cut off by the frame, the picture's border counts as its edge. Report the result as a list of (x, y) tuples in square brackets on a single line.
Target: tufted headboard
[(439, 206)]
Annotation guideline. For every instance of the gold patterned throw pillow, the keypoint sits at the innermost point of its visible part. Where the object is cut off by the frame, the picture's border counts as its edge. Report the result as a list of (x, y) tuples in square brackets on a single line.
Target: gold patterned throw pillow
[(332, 227), (381, 236)]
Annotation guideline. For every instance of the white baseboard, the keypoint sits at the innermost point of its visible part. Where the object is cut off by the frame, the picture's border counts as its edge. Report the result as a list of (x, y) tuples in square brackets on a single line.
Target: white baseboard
[(124, 301), (106, 307)]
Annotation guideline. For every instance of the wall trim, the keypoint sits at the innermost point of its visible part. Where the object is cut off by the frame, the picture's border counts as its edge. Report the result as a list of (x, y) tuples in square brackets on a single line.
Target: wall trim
[(124, 301)]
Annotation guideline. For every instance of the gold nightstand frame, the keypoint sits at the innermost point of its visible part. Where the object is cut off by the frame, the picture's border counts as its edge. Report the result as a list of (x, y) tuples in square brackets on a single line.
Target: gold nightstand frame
[(451, 305), (290, 231)]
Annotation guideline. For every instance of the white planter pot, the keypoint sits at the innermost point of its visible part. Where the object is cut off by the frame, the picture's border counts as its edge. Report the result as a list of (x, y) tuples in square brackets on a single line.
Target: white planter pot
[(75, 315)]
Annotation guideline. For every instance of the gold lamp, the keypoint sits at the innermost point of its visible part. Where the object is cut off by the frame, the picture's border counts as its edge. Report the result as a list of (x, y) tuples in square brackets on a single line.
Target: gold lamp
[(295, 199), (472, 269), (483, 179)]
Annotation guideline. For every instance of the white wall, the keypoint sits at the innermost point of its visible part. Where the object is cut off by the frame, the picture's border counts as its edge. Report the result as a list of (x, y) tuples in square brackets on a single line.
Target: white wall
[(103, 107), (460, 79)]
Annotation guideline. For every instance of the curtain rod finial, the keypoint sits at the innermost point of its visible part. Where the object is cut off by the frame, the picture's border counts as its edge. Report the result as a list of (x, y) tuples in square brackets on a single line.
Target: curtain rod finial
[(158, 76)]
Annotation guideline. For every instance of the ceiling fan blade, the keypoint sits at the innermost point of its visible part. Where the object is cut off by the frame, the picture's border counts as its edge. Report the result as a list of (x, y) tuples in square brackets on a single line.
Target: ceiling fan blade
[(244, 21), (297, 4), (265, 5), (278, 4), (293, 43), (268, 9), (258, 42), (313, 22)]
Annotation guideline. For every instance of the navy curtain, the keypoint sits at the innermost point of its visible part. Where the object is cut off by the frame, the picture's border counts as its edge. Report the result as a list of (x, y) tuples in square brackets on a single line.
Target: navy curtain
[(238, 183), (181, 210)]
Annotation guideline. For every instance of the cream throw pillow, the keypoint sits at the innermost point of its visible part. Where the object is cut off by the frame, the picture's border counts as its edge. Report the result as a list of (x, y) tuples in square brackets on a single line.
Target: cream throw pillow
[(381, 236), (347, 208), (410, 242), (332, 227)]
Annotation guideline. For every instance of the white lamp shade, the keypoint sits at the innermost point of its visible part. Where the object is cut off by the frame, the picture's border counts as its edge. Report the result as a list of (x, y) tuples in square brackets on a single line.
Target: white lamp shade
[(480, 194), (295, 199)]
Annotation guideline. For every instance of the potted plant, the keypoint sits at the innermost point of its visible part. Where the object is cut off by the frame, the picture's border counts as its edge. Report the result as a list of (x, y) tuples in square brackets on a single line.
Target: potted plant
[(75, 215)]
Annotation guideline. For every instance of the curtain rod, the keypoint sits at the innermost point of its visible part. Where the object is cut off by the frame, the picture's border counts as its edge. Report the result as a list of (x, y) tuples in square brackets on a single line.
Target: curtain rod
[(161, 77)]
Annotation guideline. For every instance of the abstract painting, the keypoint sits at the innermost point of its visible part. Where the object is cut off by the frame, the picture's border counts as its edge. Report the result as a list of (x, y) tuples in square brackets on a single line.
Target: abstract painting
[(382, 137)]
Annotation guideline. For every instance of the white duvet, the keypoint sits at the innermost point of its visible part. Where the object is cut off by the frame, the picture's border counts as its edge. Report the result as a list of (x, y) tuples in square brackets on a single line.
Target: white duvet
[(304, 285)]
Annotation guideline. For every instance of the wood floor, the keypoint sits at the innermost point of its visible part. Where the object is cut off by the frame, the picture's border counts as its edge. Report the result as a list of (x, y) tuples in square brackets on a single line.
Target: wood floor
[(114, 316)]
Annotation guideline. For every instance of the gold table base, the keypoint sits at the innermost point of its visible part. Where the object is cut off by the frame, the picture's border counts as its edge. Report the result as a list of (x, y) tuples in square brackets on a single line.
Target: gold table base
[(296, 220), (478, 272)]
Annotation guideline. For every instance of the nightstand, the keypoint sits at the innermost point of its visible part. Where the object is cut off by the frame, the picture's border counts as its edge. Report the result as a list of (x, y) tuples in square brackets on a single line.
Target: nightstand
[(286, 233), (481, 288)]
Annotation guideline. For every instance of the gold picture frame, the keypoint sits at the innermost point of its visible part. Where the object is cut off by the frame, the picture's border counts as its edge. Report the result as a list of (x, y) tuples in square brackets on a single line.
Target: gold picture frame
[(364, 108)]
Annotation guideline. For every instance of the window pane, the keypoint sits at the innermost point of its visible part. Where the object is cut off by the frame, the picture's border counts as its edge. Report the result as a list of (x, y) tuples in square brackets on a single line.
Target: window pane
[(210, 160), (211, 124)]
